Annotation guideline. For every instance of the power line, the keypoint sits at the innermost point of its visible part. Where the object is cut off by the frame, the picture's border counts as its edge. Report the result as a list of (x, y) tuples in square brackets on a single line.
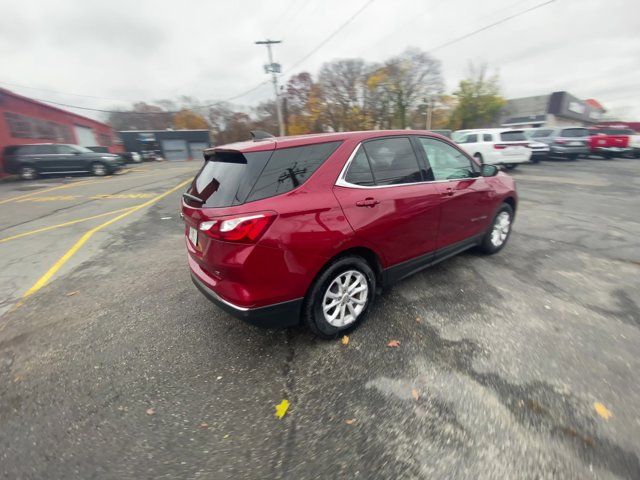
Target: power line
[(482, 29), (327, 39), (164, 112), (16, 85)]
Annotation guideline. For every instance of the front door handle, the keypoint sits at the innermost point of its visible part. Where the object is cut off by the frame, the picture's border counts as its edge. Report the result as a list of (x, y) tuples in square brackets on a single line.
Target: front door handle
[(449, 192), (367, 202)]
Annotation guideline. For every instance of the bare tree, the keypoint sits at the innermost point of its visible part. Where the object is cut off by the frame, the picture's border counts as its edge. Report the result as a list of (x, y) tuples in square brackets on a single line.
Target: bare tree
[(343, 84), (407, 80)]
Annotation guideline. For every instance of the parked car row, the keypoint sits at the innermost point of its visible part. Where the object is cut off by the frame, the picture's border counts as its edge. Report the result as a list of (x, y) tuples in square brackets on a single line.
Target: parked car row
[(510, 147)]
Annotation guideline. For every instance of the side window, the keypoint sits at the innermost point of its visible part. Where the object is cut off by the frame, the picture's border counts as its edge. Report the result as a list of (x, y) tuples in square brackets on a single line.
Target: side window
[(288, 168), (65, 149), (45, 149), (359, 172), (446, 162), (393, 161), (487, 137)]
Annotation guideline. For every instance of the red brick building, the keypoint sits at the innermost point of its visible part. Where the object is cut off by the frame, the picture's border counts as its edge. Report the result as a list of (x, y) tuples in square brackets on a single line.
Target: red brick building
[(24, 120)]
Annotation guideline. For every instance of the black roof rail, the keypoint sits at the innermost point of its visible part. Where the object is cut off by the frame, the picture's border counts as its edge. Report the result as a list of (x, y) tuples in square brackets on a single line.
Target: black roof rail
[(258, 135)]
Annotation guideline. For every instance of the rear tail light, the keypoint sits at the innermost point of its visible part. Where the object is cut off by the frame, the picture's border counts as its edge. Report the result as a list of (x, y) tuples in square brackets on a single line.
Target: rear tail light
[(560, 140), (499, 146), (242, 228)]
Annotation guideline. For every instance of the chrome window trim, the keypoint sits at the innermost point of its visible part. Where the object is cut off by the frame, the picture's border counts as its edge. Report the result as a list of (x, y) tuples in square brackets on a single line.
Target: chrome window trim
[(341, 182)]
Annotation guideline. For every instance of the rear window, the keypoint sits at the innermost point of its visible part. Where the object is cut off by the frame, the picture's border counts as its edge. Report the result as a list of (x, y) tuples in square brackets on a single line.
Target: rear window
[(360, 171), (393, 161), (616, 131), (288, 168), (233, 178), (541, 133), (514, 136), (574, 132)]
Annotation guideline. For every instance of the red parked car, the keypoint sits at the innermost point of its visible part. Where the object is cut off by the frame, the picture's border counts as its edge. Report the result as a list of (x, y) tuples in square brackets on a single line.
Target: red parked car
[(610, 142), (308, 229)]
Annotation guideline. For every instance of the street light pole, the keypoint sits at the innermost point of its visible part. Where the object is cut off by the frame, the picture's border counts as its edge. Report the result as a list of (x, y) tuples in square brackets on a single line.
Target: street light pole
[(274, 69), (429, 112)]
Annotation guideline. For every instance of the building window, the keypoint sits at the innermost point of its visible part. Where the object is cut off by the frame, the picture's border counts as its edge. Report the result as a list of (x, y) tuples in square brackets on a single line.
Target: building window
[(104, 139), (21, 126)]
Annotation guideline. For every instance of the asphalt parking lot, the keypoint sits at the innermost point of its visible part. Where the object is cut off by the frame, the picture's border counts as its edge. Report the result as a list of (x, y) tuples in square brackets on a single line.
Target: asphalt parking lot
[(520, 365)]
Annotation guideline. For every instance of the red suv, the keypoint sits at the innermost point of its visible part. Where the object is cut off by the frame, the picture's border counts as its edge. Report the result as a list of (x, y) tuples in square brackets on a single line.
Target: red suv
[(310, 228)]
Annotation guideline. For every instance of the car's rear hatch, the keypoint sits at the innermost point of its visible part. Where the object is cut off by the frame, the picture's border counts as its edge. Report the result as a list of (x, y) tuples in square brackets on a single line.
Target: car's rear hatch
[(513, 144), (610, 138)]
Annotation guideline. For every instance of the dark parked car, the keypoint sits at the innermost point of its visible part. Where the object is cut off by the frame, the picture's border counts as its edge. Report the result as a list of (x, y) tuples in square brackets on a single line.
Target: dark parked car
[(29, 161), (280, 230)]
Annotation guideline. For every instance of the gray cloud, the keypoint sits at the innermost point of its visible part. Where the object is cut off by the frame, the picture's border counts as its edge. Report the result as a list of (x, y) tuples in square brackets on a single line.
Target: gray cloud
[(162, 49)]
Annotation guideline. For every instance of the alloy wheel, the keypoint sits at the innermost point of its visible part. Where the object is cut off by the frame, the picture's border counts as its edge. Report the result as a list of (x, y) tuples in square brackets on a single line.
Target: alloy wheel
[(501, 227), (99, 169), (345, 299), (28, 173)]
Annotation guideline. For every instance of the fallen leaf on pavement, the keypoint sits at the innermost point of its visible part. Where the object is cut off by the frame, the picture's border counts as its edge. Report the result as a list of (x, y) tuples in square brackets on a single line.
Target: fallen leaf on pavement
[(204, 425), (281, 408), (603, 411), (345, 340), (415, 394), (418, 319), (151, 411), (70, 294), (394, 344), (350, 421)]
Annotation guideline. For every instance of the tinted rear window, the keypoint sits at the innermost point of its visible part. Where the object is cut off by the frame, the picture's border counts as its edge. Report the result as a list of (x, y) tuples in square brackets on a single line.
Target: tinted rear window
[(574, 132), (514, 136), (227, 177), (541, 133), (233, 178), (360, 171), (616, 131), (393, 161)]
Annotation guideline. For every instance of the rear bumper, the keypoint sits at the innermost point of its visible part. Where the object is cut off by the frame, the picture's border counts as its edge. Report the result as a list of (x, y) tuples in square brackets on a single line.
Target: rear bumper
[(569, 150), (539, 153), (620, 150), (278, 315)]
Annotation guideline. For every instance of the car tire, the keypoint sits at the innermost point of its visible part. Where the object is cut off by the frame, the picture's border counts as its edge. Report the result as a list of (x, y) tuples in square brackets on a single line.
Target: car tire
[(99, 169), (479, 158), (496, 237), (27, 172), (509, 166), (356, 273)]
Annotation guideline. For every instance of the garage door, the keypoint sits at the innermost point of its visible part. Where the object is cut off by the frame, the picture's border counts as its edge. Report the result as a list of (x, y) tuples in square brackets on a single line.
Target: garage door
[(85, 136), (196, 150), (175, 149)]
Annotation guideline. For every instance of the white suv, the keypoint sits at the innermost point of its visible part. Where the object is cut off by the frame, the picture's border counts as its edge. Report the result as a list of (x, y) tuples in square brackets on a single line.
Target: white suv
[(496, 146)]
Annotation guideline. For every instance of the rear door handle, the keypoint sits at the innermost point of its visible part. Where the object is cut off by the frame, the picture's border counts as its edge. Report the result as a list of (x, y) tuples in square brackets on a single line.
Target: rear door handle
[(367, 202)]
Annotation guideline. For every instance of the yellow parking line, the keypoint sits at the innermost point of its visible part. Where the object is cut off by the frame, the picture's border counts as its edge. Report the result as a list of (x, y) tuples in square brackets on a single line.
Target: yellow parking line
[(42, 281), (60, 225), (37, 192)]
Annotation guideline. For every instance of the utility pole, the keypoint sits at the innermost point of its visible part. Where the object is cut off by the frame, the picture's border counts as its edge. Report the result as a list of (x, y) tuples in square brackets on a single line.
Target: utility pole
[(274, 69), (429, 112)]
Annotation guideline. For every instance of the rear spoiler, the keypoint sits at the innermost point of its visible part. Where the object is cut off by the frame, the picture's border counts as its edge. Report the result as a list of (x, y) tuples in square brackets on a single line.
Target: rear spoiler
[(257, 135)]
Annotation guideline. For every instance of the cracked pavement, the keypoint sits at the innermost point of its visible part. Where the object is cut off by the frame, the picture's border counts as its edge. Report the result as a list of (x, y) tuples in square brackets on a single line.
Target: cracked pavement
[(501, 359)]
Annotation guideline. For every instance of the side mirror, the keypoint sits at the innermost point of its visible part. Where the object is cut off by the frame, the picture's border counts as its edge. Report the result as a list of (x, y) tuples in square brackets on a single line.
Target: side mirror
[(489, 170)]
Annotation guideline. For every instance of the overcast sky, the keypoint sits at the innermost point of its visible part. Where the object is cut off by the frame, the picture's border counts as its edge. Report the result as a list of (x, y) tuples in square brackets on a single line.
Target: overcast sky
[(146, 50)]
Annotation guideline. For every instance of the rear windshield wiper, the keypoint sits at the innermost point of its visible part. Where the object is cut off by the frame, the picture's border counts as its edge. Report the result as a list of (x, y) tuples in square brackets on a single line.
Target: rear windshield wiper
[(188, 196)]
